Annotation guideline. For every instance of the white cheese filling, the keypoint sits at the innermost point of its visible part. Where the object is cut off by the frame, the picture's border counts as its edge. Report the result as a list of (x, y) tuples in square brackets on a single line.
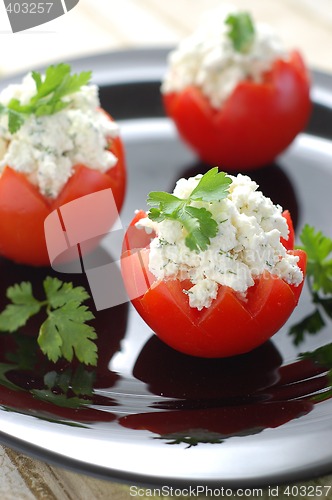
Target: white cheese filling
[(247, 244), (208, 60), (46, 148)]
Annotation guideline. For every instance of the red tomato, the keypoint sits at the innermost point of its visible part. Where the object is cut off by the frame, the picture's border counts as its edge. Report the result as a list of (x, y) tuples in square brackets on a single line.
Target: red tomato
[(230, 326), (289, 243), (256, 123), (23, 209)]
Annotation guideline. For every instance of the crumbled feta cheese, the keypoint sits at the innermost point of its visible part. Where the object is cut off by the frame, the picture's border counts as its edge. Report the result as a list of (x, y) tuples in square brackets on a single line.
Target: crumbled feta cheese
[(207, 59), (247, 243), (202, 294), (46, 148)]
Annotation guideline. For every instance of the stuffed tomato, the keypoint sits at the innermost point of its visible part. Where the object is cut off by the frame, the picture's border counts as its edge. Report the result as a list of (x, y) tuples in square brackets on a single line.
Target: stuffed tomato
[(236, 96), (56, 145), (211, 268)]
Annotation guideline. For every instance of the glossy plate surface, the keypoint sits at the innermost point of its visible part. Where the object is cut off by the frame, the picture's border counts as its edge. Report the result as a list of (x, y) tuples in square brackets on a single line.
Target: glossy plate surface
[(155, 416)]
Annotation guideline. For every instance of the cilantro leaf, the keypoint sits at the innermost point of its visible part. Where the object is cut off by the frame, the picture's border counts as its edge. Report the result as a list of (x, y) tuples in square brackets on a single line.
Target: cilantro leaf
[(318, 248), (213, 186), (15, 121), (322, 355), (317, 245), (311, 324), (59, 293), (54, 78), (23, 306), (48, 99), (198, 223), (65, 331), (73, 83), (57, 84), (200, 227), (37, 78), (241, 32), (168, 203)]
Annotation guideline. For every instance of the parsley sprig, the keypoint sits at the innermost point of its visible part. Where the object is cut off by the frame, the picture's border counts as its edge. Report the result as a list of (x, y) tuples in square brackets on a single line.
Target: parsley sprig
[(319, 253), (197, 222), (318, 248), (48, 99), (241, 32), (65, 331)]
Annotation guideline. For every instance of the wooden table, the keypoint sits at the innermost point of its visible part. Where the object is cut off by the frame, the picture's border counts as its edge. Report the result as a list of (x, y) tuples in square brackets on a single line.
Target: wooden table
[(95, 26)]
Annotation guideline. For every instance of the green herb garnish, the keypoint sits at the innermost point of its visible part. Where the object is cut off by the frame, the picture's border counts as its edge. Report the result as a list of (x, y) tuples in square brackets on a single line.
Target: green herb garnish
[(242, 31), (64, 332), (319, 253), (50, 90), (318, 248), (311, 325), (198, 222)]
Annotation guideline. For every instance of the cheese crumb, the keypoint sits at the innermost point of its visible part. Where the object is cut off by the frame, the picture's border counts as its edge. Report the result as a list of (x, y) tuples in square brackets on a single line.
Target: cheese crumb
[(207, 59), (247, 244), (46, 148)]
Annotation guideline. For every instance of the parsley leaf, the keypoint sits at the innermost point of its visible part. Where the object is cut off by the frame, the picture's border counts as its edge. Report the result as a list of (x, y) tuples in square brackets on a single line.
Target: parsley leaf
[(319, 267), (48, 99), (311, 324), (242, 31), (322, 355), (213, 186), (15, 121), (65, 331), (197, 222), (23, 306), (59, 293), (318, 248), (200, 227)]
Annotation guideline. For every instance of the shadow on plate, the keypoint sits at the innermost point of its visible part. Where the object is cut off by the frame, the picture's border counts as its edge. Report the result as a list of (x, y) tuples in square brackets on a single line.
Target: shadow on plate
[(207, 401)]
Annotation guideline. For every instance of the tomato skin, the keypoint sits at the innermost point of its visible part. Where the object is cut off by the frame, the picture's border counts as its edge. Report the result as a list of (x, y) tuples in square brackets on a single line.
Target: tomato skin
[(23, 209), (289, 243), (256, 123), (22, 214), (230, 326)]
